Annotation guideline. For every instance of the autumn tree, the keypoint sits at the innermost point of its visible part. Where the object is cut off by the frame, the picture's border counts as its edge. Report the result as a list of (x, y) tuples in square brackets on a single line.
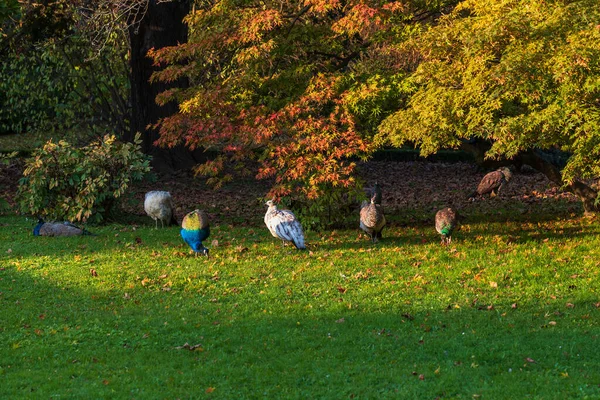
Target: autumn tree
[(517, 76), (297, 86)]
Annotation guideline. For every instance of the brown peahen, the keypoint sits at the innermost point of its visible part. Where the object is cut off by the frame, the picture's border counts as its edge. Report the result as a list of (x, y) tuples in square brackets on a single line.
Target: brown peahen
[(372, 219), (446, 221), (492, 183)]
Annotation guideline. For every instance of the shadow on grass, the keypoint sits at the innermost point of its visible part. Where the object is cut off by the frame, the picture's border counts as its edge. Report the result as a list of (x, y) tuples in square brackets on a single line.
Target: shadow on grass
[(64, 342)]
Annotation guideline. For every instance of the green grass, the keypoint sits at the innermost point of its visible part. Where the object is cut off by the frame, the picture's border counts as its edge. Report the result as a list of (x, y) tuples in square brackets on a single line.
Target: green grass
[(507, 311)]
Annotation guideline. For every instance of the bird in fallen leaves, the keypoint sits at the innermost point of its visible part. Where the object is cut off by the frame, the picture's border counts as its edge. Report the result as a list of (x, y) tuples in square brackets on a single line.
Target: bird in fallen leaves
[(446, 220), (492, 183), (372, 219), (158, 205), (58, 229), (283, 225), (194, 229)]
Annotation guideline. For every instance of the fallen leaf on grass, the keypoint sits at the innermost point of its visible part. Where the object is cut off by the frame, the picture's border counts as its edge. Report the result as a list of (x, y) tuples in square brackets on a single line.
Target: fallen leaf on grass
[(513, 306), (552, 323), (195, 347), (530, 360), (494, 285), (570, 305), (210, 390), (93, 272), (215, 243), (241, 249), (340, 321)]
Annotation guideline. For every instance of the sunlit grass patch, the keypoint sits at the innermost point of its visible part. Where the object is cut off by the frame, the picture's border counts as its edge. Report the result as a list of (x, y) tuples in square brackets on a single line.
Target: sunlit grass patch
[(508, 310)]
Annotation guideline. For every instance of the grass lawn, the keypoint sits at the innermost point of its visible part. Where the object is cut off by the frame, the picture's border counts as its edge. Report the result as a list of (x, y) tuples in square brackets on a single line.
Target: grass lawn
[(509, 310)]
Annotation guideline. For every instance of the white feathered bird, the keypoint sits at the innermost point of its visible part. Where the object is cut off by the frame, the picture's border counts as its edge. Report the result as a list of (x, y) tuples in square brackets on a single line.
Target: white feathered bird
[(159, 206), (283, 225)]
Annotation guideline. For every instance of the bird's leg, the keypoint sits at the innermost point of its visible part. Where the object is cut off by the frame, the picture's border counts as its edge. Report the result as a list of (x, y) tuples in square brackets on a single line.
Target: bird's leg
[(156, 224)]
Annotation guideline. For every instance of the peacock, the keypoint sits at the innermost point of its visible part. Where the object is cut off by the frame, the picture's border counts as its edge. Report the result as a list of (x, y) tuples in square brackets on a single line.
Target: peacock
[(159, 206), (283, 225), (372, 219), (492, 183), (58, 229), (195, 229), (446, 220)]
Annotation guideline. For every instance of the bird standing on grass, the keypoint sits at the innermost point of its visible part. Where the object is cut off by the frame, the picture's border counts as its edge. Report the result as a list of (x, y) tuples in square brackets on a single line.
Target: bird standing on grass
[(372, 219), (283, 225), (492, 183), (159, 206), (446, 221), (195, 229), (58, 229)]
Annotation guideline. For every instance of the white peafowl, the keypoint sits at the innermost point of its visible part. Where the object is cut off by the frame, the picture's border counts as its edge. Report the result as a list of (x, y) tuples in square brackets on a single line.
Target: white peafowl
[(283, 225), (492, 183), (159, 206), (372, 219), (446, 220)]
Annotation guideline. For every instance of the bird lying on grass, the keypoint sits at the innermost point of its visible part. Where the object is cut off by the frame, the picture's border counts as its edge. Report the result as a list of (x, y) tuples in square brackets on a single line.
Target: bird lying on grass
[(283, 225), (372, 219), (159, 206), (492, 183), (194, 229), (58, 229), (446, 220)]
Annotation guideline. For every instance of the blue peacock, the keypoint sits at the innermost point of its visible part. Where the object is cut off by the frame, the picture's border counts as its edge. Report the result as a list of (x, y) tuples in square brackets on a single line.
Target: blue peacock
[(195, 229), (58, 229)]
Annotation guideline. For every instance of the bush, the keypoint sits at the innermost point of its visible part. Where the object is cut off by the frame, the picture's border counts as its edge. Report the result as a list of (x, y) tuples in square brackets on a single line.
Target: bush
[(63, 87), (63, 182)]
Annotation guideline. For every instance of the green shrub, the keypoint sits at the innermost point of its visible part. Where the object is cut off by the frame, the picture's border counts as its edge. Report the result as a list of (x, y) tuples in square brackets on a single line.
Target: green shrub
[(80, 184), (65, 89)]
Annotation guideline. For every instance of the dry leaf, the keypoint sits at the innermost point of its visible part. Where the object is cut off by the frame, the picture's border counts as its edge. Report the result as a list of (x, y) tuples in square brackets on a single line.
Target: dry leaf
[(494, 285), (93, 272), (195, 347), (340, 321)]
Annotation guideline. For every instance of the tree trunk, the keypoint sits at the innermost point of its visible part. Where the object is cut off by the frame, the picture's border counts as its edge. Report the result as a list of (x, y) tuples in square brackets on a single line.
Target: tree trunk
[(586, 194), (161, 26)]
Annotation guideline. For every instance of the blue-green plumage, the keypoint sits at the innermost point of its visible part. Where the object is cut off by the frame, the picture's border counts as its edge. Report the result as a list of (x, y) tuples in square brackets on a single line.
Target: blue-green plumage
[(194, 230)]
